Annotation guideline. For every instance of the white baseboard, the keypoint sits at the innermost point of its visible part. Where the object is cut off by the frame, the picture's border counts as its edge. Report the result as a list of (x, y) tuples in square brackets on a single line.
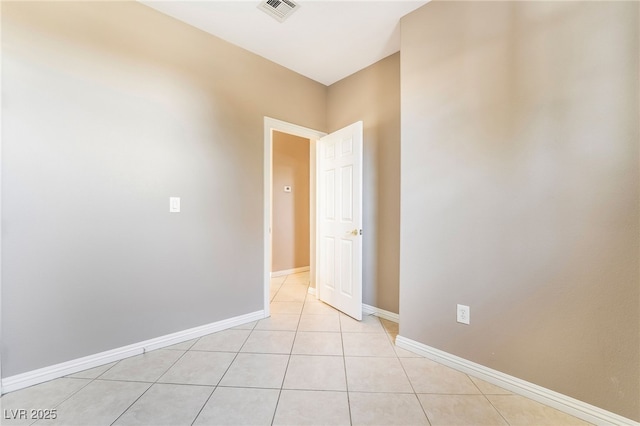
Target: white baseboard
[(564, 403), (45, 374), (312, 290), (289, 271), (372, 310)]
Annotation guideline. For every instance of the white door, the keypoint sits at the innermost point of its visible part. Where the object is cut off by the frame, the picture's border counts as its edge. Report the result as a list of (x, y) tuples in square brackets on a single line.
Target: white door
[(340, 220)]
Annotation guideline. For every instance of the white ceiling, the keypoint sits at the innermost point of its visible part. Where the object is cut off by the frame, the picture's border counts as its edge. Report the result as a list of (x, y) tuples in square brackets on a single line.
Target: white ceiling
[(323, 40)]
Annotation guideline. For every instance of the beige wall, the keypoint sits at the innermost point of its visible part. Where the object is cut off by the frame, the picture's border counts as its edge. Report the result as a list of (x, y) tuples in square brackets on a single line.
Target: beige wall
[(520, 191), (110, 108), (373, 95), (290, 218)]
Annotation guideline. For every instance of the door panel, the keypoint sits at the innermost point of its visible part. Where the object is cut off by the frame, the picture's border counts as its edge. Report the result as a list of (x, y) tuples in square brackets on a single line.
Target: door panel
[(347, 194), (346, 270), (329, 266), (340, 224)]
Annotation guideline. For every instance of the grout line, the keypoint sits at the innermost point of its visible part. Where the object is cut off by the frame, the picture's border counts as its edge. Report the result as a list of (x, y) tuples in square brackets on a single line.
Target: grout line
[(414, 390), (107, 370), (68, 397), (196, 340), (490, 403), (125, 381), (131, 405), (286, 369), (415, 394), (344, 366), (219, 352), (223, 374), (165, 372), (150, 386), (205, 404), (82, 387)]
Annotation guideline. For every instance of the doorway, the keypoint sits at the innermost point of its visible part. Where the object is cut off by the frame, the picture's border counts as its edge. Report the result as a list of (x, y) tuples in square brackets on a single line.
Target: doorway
[(270, 126), (290, 205), (335, 175)]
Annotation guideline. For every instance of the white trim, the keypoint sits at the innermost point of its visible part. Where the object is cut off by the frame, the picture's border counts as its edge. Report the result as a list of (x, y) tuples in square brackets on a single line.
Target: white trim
[(271, 124), (372, 310), (313, 184), (315, 272), (311, 290), (564, 403), (289, 271), (1, 232), (41, 375)]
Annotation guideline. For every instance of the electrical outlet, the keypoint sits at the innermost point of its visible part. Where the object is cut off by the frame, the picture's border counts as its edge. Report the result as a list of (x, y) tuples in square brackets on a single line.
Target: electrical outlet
[(463, 314)]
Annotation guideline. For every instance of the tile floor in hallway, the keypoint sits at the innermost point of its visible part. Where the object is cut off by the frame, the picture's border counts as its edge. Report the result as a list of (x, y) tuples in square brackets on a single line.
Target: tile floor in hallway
[(306, 364)]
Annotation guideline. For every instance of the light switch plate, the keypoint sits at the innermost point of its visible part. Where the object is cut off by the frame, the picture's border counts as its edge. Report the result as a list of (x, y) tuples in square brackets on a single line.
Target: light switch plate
[(174, 204)]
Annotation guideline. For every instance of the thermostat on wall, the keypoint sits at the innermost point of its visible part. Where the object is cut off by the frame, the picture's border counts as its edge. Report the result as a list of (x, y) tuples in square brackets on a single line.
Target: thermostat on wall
[(287, 188)]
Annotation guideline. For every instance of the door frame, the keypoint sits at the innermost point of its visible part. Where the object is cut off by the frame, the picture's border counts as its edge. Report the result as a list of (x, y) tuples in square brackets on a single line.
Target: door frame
[(1, 232), (271, 124)]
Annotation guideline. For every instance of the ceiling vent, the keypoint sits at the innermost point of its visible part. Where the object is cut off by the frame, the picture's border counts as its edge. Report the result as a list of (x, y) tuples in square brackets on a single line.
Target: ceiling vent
[(280, 10)]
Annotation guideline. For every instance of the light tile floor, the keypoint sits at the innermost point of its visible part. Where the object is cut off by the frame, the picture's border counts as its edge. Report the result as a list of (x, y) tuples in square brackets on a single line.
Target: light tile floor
[(306, 364)]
